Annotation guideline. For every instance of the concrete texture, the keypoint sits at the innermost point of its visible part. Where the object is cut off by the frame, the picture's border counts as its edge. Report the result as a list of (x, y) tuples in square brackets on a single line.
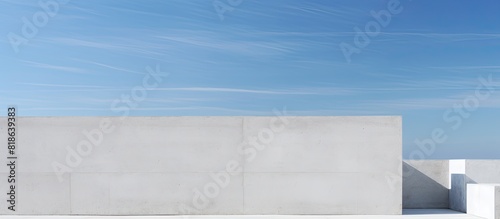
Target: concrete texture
[(483, 200), (407, 214), (425, 184), (207, 165), (483, 171), (463, 172), (458, 192), (458, 185)]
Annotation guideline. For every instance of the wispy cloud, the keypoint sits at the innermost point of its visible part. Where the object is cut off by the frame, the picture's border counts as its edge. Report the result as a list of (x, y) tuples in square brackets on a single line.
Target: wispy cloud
[(110, 44), (448, 36), (245, 47), (236, 90), (55, 67), (111, 67), (61, 85), (480, 67)]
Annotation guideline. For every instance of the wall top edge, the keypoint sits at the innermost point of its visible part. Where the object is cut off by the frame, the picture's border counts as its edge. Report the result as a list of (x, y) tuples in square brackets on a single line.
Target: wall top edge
[(456, 160), (288, 116)]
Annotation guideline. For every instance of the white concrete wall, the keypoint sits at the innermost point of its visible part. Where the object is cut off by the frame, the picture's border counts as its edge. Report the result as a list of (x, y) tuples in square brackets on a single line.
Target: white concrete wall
[(166, 165), (425, 184), (463, 172), (483, 200)]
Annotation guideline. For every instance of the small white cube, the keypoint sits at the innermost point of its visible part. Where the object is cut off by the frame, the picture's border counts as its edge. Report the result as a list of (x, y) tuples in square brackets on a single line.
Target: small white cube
[(483, 200)]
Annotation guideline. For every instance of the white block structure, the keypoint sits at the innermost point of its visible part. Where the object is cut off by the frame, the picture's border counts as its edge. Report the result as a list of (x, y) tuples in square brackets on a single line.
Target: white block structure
[(463, 172), (483, 200), (206, 165)]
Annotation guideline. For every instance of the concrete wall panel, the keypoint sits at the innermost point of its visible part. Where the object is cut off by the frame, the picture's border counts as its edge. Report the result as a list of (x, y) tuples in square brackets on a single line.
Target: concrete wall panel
[(166, 165), (464, 172), (38, 194), (483, 200)]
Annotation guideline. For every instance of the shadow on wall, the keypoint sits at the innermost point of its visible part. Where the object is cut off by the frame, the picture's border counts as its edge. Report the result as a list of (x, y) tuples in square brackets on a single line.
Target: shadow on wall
[(458, 192), (429, 211), (427, 189)]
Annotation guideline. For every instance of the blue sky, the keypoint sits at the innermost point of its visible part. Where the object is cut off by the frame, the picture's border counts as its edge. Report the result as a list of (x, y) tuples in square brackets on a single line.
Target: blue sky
[(250, 57)]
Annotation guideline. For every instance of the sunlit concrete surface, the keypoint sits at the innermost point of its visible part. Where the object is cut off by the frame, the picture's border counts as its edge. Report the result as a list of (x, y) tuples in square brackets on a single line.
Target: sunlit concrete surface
[(483, 200), (463, 172), (282, 165), (407, 214)]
